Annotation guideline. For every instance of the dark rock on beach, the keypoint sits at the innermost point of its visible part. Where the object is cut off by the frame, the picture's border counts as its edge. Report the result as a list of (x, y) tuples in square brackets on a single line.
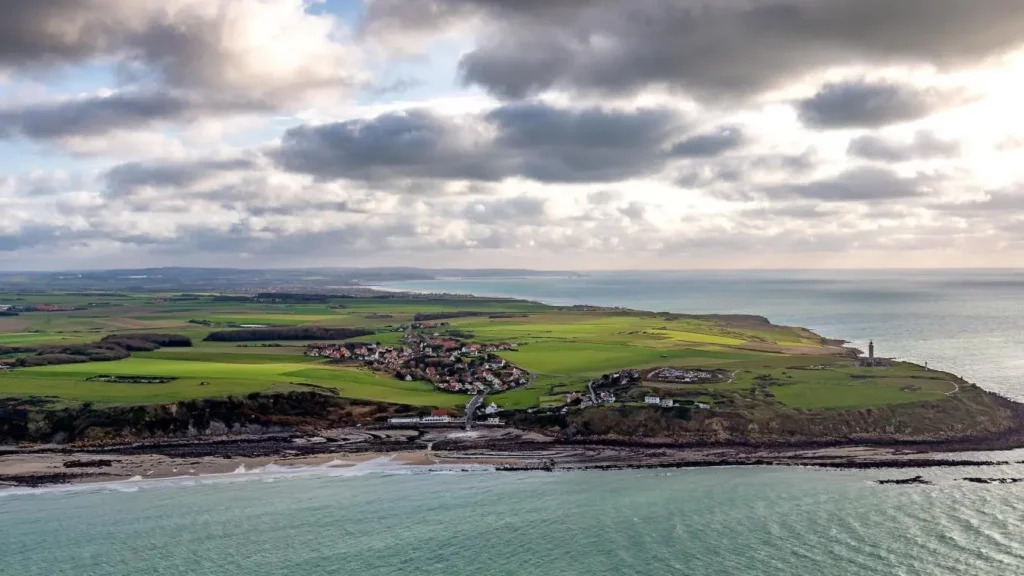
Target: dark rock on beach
[(88, 463), (916, 480)]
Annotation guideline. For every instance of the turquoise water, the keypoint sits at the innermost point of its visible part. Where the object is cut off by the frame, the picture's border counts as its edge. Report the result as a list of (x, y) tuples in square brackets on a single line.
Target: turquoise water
[(970, 322), (378, 520), (709, 522)]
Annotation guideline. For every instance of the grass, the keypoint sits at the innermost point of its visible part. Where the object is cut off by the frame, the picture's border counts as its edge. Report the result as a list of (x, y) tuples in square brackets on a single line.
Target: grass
[(868, 395), (595, 358), (70, 381), (564, 348)]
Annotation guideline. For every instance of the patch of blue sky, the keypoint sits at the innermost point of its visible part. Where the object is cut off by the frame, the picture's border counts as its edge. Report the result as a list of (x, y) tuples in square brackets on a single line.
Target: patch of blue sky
[(64, 81), (427, 76), (22, 157), (349, 11)]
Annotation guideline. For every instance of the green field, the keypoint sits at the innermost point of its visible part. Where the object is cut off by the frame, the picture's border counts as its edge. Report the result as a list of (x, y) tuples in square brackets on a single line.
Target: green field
[(563, 348)]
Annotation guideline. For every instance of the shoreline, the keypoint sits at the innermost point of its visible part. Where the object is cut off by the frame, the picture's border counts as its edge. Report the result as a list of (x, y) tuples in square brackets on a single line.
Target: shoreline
[(54, 467)]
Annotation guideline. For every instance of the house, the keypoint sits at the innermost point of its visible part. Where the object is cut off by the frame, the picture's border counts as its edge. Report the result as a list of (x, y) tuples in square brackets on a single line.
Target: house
[(403, 420), (494, 421), (436, 419), (439, 412), (702, 405), (652, 400), (668, 403), (492, 409)]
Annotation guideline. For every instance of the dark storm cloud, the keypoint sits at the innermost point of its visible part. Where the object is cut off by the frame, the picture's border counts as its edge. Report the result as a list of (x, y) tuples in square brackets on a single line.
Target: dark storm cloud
[(862, 104), (854, 185), (711, 144), (103, 114), (728, 48), (925, 145), (533, 141)]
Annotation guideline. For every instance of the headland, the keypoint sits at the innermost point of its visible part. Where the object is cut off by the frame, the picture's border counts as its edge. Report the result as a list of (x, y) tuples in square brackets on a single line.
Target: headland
[(103, 385)]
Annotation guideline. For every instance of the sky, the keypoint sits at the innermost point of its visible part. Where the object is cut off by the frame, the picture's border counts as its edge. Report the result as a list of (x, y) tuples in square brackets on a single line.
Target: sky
[(577, 134)]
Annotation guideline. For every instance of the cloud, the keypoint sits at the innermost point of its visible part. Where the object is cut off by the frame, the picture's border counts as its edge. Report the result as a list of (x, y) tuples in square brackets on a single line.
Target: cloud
[(98, 115), (863, 104), (855, 185), (751, 168), (125, 178), (728, 48), (528, 140), (176, 59), (709, 145), (1003, 202), (925, 145), (518, 209)]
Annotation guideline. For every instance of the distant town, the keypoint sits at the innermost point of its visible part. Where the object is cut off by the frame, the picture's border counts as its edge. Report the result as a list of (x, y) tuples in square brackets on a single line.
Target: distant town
[(450, 365)]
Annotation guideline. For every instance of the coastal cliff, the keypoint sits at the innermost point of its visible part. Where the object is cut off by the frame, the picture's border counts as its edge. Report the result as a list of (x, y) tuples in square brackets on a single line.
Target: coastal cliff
[(973, 415), (37, 421)]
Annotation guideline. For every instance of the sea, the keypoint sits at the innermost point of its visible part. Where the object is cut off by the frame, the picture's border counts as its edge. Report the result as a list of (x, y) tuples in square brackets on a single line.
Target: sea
[(381, 518)]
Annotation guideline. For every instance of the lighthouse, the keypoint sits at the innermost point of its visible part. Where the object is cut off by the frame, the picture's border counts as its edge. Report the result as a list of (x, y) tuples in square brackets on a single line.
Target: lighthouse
[(871, 353)]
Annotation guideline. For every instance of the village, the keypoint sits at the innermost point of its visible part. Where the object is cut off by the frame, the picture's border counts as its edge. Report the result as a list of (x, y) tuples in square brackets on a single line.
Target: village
[(450, 365)]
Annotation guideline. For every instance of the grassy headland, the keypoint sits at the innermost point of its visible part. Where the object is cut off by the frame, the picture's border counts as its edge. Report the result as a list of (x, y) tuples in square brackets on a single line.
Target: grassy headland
[(775, 379)]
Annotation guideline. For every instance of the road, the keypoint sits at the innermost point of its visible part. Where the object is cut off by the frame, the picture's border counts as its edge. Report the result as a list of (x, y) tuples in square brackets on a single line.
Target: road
[(593, 397), (471, 407)]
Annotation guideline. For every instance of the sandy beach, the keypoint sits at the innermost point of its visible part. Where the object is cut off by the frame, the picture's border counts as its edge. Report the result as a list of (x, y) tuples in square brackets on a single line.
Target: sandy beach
[(43, 467)]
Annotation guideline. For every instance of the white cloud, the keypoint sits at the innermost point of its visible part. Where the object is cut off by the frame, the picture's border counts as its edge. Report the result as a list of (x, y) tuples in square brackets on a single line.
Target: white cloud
[(236, 132)]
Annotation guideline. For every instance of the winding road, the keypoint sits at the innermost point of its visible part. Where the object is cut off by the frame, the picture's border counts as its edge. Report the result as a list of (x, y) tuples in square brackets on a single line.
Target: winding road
[(471, 407)]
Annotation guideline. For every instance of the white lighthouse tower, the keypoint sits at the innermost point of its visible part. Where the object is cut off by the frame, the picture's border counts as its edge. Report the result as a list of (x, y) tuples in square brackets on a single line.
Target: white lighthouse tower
[(871, 353)]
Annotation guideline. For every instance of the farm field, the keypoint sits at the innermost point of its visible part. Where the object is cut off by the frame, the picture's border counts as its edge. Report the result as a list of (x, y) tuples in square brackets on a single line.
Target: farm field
[(562, 348)]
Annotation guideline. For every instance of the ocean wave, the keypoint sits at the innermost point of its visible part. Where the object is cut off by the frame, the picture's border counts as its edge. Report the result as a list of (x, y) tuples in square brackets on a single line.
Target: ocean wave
[(382, 466)]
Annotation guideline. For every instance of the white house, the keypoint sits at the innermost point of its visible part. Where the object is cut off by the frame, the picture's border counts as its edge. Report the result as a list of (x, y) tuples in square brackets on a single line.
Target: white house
[(702, 405), (404, 420), (492, 409), (436, 419), (668, 403), (652, 400), (495, 421)]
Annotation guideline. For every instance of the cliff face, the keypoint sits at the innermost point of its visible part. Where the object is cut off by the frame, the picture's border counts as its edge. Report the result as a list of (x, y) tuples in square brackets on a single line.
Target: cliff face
[(970, 415), (34, 420)]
